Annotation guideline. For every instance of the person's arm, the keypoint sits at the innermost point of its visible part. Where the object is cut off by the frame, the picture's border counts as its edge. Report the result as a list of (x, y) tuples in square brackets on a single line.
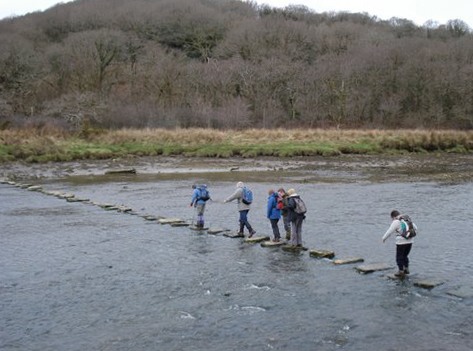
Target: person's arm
[(270, 206), (392, 229), (194, 197), (235, 195)]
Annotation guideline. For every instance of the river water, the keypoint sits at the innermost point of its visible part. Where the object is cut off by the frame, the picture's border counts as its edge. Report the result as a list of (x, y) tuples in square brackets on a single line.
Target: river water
[(76, 277)]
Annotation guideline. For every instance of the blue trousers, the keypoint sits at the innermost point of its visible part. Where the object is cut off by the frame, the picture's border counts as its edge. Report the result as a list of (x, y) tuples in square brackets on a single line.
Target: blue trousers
[(244, 221)]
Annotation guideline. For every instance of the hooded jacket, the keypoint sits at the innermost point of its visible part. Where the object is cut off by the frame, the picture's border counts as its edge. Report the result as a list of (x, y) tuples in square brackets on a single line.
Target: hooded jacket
[(238, 195)]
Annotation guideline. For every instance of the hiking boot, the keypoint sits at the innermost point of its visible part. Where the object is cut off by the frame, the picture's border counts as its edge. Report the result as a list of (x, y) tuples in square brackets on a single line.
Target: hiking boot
[(399, 274), (240, 235), (288, 235), (253, 232), (275, 240), (406, 270)]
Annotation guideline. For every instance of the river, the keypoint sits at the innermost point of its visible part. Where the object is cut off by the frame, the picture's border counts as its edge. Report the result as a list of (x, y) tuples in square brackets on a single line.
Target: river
[(76, 277)]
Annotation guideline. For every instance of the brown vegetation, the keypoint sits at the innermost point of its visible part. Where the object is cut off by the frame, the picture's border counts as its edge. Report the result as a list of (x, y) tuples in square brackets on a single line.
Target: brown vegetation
[(48, 144), (232, 64)]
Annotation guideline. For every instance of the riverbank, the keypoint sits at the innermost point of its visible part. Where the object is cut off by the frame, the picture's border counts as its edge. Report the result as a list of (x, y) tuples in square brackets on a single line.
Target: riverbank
[(41, 145), (437, 167)]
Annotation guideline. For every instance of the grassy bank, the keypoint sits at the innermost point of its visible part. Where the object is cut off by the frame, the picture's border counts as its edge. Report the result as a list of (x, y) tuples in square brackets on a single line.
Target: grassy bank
[(37, 145)]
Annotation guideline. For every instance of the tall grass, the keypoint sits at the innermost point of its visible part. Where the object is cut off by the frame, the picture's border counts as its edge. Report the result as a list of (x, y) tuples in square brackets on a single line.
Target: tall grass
[(32, 145)]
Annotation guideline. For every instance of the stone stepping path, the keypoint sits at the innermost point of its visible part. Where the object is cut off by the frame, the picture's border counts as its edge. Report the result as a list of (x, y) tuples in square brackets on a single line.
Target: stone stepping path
[(349, 260), (460, 292), (292, 248), (197, 229), (256, 239), (321, 253), (215, 231), (270, 243), (373, 267), (170, 220), (427, 283)]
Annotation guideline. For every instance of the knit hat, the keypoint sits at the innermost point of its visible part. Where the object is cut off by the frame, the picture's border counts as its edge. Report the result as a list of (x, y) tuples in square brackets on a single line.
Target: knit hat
[(291, 192)]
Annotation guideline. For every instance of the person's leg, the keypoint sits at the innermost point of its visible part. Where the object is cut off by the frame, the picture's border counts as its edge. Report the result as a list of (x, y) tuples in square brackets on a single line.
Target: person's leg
[(299, 231), (247, 224), (242, 221), (400, 259), (275, 227), (200, 215), (407, 250), (293, 233), (287, 226)]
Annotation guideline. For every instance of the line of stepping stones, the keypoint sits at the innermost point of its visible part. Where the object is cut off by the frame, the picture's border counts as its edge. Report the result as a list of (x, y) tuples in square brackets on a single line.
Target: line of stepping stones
[(461, 292)]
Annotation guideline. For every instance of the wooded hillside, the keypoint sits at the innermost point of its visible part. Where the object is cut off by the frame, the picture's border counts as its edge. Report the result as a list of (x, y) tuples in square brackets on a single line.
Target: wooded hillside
[(232, 64)]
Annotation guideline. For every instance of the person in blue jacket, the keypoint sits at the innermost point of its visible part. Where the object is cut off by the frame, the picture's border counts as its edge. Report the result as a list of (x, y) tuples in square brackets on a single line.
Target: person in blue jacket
[(200, 196), (274, 214)]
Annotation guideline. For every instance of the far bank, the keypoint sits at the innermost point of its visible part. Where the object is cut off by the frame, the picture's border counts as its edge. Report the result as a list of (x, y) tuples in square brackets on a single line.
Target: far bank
[(40, 145)]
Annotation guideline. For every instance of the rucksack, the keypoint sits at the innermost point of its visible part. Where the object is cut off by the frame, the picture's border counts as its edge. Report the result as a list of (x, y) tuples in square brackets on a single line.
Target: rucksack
[(203, 193), (407, 227), (300, 206), (247, 197)]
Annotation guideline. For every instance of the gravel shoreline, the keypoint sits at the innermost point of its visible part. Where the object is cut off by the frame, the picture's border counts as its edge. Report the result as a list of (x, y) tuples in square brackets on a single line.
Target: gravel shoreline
[(346, 168)]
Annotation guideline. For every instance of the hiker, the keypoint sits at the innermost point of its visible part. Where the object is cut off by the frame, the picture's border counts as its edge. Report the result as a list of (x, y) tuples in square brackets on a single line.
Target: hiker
[(274, 214), (296, 215), (243, 208), (282, 205), (403, 245), (200, 196)]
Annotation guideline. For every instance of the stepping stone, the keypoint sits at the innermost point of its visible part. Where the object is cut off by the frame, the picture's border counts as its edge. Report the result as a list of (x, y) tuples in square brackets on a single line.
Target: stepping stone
[(124, 209), (233, 235), (170, 220), (256, 239), (322, 253), (35, 188), (180, 224), (348, 260), (150, 218), (198, 229), (215, 231), (292, 248), (428, 284), (75, 199), (373, 267), (24, 186), (65, 196), (462, 292), (105, 206), (270, 243)]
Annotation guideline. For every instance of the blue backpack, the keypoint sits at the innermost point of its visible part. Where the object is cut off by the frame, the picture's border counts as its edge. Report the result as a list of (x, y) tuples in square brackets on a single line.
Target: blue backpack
[(203, 193), (247, 198)]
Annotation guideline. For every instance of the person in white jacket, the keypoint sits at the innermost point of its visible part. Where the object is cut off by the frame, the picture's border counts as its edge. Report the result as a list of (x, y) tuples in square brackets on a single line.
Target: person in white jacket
[(243, 209), (403, 245)]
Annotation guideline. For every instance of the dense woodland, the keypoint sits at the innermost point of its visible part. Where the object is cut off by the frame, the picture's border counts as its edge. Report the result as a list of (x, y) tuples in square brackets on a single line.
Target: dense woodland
[(231, 64)]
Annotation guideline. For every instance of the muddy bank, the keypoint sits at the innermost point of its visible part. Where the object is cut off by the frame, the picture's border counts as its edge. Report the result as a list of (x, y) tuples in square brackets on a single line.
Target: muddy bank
[(449, 168)]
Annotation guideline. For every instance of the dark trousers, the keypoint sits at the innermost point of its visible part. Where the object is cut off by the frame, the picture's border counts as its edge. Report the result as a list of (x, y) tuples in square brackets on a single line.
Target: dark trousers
[(244, 221), (402, 253), (275, 227)]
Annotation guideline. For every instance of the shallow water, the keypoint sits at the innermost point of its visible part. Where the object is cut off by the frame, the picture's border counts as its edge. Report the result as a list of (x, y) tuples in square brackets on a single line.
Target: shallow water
[(76, 277)]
